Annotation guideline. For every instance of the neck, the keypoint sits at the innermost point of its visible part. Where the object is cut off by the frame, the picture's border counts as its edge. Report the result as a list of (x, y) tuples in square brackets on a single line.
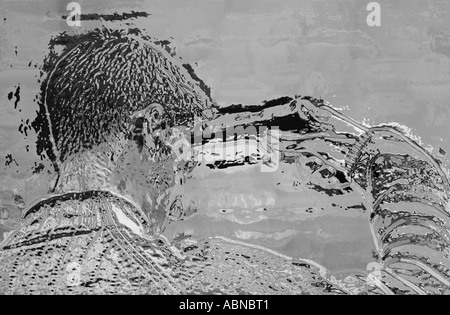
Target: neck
[(84, 171)]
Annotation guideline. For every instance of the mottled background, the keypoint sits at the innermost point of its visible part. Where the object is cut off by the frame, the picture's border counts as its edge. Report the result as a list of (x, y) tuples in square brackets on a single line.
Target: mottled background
[(249, 51)]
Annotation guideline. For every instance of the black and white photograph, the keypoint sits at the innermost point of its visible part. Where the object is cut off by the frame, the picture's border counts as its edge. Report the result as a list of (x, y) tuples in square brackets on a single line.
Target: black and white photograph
[(241, 149)]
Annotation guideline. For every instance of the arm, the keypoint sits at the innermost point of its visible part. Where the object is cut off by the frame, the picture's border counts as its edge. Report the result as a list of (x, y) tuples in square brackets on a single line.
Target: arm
[(400, 183)]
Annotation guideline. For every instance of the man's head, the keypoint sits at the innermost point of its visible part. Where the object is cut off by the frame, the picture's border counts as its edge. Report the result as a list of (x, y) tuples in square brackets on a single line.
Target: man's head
[(93, 87)]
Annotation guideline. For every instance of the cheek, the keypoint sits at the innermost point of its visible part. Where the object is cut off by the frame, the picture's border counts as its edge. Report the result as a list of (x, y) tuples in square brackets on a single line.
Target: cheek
[(140, 173)]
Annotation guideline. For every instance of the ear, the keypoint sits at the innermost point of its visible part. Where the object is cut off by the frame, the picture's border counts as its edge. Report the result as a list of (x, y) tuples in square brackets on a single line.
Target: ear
[(154, 115)]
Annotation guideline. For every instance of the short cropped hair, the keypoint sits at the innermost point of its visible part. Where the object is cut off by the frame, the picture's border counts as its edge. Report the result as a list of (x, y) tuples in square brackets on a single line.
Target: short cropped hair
[(99, 79)]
